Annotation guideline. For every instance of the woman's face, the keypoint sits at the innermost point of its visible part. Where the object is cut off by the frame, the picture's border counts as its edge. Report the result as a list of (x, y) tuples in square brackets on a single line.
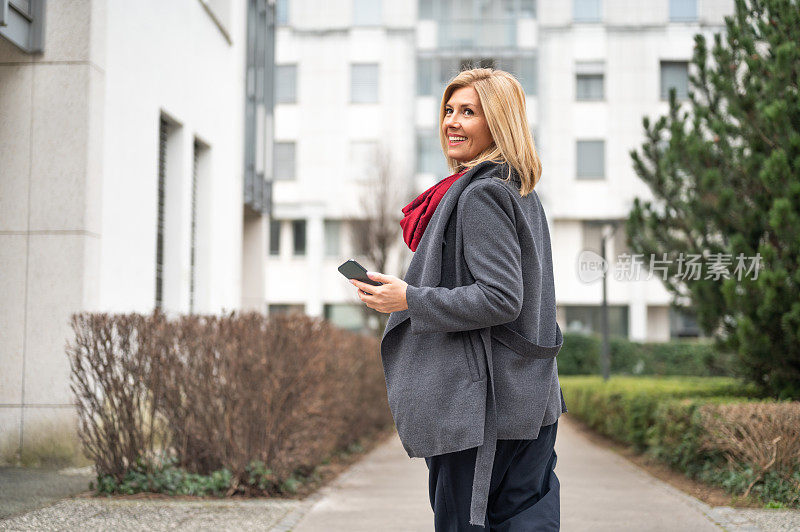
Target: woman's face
[(464, 120)]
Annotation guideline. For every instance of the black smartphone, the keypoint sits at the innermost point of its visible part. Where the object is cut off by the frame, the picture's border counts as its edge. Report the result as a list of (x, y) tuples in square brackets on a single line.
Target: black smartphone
[(353, 270)]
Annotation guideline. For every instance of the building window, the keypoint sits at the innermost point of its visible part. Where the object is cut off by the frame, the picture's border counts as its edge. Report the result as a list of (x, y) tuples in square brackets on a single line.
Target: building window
[(590, 159), (525, 69), (284, 160), (592, 231), (163, 132), (348, 316), (586, 10), (333, 238), (620, 241), (282, 12), (424, 76), (483, 10), (468, 63), (274, 237), (286, 84), (259, 103), (675, 74), (587, 319), (366, 12), (448, 69), (682, 324), (22, 23), (589, 87), (592, 236), (364, 83), (527, 8), (425, 9), (286, 308), (682, 10), (589, 80), (477, 32), (359, 237), (430, 159), (434, 73), (299, 236), (197, 147)]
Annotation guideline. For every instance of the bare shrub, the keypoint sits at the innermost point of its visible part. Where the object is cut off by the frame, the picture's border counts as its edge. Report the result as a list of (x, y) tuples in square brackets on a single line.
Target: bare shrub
[(219, 392), (765, 436), (113, 378)]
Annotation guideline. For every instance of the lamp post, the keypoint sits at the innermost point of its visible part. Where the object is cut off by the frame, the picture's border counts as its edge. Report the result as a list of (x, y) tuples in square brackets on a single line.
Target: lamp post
[(608, 231)]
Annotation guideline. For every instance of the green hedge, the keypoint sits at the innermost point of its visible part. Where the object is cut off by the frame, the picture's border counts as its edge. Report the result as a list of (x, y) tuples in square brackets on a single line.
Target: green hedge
[(580, 355), (625, 407), (661, 417)]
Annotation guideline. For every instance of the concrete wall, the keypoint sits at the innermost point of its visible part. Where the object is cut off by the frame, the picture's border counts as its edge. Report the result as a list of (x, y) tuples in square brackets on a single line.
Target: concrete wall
[(171, 58), (51, 151), (78, 179)]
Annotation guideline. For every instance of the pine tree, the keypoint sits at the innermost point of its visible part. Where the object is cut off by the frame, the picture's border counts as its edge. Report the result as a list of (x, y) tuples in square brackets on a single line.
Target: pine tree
[(724, 169)]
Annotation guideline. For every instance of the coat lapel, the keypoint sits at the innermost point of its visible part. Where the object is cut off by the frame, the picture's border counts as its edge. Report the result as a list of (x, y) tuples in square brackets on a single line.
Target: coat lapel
[(425, 268)]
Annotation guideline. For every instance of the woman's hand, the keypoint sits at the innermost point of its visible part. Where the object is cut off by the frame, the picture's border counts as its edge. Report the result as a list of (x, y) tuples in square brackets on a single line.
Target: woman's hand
[(388, 297)]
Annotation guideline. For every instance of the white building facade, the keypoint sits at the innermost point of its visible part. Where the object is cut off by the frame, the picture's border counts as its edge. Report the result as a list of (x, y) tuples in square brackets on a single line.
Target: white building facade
[(353, 74), (123, 179)]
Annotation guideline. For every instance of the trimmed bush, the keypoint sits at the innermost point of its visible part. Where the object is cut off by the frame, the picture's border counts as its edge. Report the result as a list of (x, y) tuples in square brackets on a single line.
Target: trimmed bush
[(581, 355), (716, 430)]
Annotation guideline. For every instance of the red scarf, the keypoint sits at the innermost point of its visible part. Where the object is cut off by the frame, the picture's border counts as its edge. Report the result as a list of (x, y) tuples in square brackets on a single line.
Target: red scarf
[(419, 212)]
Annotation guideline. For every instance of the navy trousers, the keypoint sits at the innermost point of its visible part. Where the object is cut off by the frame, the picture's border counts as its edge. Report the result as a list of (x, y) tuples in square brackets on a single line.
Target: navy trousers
[(523, 494)]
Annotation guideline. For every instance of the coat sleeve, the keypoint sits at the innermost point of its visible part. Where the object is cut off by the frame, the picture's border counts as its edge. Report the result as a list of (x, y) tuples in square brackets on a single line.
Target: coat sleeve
[(493, 256)]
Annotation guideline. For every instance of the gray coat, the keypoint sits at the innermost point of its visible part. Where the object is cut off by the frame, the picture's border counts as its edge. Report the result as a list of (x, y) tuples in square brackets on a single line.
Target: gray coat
[(471, 364)]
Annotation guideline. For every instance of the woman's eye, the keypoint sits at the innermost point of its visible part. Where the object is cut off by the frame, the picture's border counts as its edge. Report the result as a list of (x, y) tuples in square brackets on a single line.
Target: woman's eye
[(447, 111)]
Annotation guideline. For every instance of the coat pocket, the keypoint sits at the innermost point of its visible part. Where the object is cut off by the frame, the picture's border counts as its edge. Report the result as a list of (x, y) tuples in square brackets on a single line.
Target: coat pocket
[(473, 351)]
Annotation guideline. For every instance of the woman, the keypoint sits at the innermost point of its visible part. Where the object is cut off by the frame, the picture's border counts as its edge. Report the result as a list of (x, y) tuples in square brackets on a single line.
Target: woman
[(469, 349)]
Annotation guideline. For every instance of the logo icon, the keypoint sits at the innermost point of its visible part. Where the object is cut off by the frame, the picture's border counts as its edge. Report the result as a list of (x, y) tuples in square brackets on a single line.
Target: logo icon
[(591, 266)]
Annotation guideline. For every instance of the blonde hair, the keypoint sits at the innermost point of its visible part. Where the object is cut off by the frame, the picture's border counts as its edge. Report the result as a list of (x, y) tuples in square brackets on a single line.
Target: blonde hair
[(503, 102)]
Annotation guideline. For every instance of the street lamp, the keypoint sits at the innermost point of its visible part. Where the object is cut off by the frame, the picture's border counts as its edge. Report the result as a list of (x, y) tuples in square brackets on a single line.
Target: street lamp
[(609, 228)]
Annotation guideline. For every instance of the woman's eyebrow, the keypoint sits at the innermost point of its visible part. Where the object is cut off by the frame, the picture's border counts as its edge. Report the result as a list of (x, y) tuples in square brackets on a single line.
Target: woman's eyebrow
[(465, 104)]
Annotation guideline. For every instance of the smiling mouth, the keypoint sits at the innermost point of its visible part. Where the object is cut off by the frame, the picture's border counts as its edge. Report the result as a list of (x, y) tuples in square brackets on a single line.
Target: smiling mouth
[(455, 140)]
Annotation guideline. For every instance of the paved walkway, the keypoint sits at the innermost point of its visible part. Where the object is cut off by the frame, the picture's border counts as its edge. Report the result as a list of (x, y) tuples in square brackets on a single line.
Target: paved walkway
[(387, 491), (23, 488), (600, 491)]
